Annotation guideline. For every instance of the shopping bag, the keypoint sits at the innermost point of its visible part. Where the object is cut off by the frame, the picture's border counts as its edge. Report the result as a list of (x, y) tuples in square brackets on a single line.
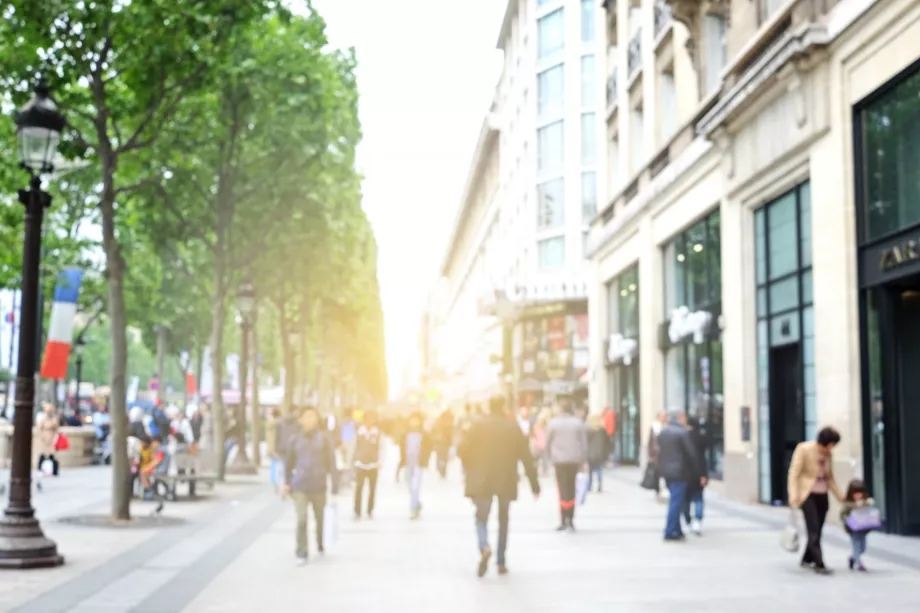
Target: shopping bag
[(864, 520), (789, 537), (330, 524), (46, 468), (650, 478), (581, 487), (61, 443)]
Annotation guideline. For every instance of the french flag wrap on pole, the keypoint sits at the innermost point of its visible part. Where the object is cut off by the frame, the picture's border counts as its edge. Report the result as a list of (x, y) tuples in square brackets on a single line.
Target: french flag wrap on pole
[(60, 333)]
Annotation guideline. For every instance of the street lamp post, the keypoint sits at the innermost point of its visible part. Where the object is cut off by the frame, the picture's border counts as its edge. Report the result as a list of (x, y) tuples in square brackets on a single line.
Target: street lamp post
[(22, 542), (246, 303), (78, 349)]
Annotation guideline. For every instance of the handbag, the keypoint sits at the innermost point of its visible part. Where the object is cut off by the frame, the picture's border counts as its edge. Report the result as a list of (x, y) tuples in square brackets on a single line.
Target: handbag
[(789, 537), (650, 479), (330, 524), (864, 520), (61, 443), (581, 487)]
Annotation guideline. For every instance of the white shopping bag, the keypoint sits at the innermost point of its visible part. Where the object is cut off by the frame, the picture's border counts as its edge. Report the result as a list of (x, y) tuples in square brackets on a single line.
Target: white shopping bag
[(46, 468), (581, 487), (330, 524)]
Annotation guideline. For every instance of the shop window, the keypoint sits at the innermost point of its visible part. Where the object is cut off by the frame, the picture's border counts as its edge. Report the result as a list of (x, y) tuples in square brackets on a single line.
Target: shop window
[(890, 129)]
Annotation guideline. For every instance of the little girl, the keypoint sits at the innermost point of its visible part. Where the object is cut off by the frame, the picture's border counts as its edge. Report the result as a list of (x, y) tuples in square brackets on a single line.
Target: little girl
[(857, 498)]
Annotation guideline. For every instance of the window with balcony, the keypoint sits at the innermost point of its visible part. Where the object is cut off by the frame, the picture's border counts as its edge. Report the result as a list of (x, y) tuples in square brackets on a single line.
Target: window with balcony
[(588, 196), (612, 89), (551, 252), (551, 91), (588, 80), (588, 15), (551, 204), (637, 127), (662, 19), (634, 53), (551, 148), (769, 8), (588, 139), (715, 44), (667, 105), (550, 34)]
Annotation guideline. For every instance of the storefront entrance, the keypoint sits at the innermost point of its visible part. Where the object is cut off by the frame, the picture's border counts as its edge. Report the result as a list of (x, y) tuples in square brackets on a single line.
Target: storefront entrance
[(629, 435), (787, 419)]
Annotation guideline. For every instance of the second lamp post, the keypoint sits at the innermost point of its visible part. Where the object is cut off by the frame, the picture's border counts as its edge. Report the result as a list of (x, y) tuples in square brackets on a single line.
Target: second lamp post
[(246, 302)]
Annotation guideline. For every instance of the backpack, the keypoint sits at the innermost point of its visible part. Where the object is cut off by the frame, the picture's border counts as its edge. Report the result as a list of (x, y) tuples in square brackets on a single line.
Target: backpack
[(159, 425)]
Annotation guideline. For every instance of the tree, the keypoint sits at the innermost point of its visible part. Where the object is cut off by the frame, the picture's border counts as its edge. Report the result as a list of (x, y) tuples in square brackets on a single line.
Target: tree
[(119, 70)]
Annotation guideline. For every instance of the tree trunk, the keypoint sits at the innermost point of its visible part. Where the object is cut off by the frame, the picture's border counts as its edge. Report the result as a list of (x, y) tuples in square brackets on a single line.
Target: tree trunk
[(199, 369), (256, 408), (161, 364), (287, 359), (218, 414)]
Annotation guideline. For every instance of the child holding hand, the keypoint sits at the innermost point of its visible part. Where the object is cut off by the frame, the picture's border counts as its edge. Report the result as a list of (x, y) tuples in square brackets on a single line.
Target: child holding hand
[(859, 518)]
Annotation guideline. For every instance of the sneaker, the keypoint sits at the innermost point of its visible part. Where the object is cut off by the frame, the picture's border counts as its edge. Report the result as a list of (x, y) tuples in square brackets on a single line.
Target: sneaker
[(502, 569), (571, 527), (561, 528), (696, 527), (861, 568), (823, 570), (321, 550), (484, 556), (851, 563), (301, 560)]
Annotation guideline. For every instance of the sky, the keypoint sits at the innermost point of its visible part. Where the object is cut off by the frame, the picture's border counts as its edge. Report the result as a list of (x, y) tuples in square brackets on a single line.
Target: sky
[(427, 71)]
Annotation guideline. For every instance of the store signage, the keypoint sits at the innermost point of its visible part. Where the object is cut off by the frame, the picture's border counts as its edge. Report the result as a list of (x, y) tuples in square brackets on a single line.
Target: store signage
[(903, 253), (620, 349), (685, 322)]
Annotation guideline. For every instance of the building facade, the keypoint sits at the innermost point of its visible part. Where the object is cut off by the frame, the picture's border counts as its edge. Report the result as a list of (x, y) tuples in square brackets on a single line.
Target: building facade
[(773, 240)]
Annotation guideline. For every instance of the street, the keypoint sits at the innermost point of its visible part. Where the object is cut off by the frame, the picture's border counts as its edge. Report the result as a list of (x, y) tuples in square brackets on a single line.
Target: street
[(235, 553)]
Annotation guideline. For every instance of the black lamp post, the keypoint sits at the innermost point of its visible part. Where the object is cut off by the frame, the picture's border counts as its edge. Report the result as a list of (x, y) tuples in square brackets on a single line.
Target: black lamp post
[(22, 543), (78, 346), (246, 302)]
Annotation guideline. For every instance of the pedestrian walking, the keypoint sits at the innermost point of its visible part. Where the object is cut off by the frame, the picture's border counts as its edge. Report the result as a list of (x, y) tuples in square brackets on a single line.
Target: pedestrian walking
[(679, 464), (538, 442), (415, 452), (652, 478), (610, 427), (491, 451), (598, 446), (693, 503), (349, 442), (567, 444), (367, 463), (857, 502), (443, 437), (276, 462), (49, 426), (811, 477), (309, 464)]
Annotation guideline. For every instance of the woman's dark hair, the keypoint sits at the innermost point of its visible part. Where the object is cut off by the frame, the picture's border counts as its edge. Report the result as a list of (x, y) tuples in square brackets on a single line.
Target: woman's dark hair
[(828, 436), (856, 487)]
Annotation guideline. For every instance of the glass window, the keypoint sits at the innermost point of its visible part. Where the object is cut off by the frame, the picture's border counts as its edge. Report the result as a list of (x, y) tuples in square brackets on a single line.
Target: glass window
[(588, 196), (584, 242), (550, 34), (613, 300), (588, 81), (891, 167), (629, 302), (675, 275), (805, 223), (550, 148), (667, 113), (715, 45), (784, 295), (781, 225), (551, 204), (551, 252), (714, 260), (551, 91), (697, 270), (588, 29), (635, 139), (676, 378), (588, 139)]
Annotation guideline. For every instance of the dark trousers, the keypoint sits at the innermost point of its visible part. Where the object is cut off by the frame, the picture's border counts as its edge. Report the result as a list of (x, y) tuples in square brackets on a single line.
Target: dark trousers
[(302, 501), (362, 475), (815, 511), (55, 467), (443, 455), (565, 481), (483, 508)]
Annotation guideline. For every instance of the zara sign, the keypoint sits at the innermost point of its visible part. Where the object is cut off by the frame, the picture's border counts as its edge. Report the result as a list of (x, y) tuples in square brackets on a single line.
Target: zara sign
[(621, 349), (685, 323)]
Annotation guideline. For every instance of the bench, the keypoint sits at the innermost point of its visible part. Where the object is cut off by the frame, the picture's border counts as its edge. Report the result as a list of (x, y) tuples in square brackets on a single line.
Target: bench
[(186, 468)]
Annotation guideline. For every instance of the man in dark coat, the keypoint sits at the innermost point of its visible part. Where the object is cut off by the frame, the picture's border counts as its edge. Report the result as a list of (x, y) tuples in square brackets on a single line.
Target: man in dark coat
[(680, 465), (491, 451)]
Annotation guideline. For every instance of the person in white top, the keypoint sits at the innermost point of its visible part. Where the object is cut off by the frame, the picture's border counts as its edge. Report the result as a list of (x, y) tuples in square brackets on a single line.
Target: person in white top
[(524, 420)]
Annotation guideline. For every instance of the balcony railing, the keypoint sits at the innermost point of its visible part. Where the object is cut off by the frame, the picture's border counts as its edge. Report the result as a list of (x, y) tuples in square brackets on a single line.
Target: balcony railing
[(634, 54), (662, 18), (612, 89)]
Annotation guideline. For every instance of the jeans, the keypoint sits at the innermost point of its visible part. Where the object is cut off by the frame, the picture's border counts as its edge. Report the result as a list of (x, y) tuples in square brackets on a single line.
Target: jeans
[(362, 475), (565, 481), (678, 495), (483, 508), (598, 472), (858, 541), (414, 479), (301, 501), (276, 470), (815, 511), (694, 496)]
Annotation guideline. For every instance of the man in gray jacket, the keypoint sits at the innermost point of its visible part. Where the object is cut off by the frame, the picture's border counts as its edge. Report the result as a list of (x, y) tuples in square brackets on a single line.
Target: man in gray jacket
[(567, 445)]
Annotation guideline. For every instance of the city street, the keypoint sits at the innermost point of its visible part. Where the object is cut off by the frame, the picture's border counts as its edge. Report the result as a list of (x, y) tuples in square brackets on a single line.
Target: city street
[(235, 553)]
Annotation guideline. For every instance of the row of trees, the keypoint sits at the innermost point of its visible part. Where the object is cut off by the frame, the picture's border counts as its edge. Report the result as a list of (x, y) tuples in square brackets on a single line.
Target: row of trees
[(214, 143)]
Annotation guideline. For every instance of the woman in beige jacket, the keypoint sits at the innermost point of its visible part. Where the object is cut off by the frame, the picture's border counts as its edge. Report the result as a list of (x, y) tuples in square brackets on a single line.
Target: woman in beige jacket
[(811, 477), (47, 433)]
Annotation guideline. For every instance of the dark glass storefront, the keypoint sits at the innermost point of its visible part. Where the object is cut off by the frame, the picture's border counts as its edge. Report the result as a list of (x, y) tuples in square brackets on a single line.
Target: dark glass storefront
[(623, 362), (787, 407), (691, 337), (887, 143)]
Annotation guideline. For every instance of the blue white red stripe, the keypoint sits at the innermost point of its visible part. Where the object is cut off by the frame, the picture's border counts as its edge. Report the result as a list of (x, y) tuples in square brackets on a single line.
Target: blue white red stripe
[(60, 333)]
